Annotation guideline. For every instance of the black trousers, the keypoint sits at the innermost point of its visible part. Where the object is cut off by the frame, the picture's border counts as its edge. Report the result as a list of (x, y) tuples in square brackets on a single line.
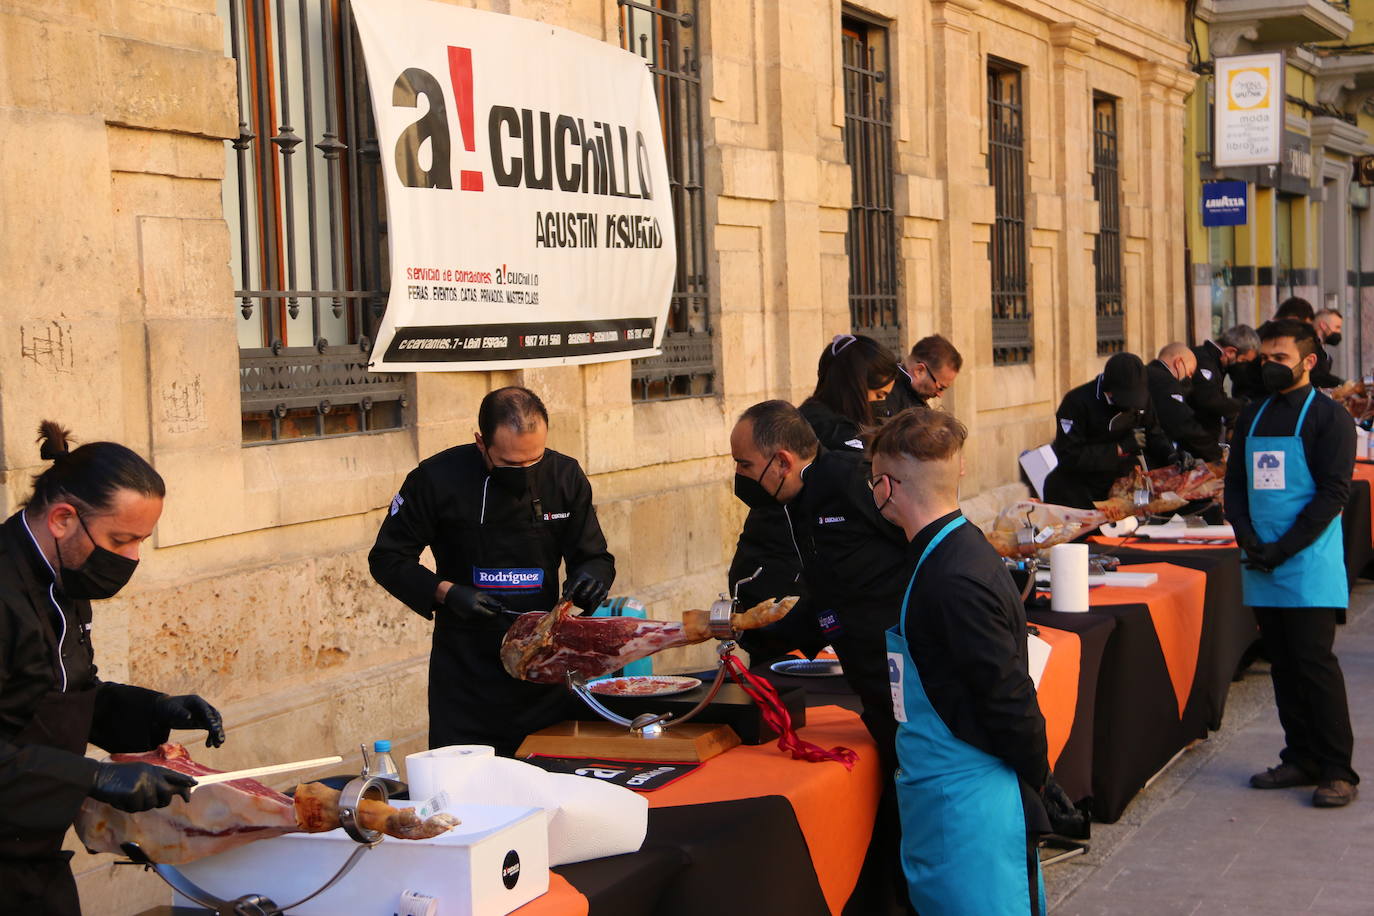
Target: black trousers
[(1309, 689)]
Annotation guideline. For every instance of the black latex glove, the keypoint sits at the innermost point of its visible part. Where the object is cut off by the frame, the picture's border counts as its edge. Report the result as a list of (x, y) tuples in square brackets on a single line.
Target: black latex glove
[(586, 591), (1065, 819), (472, 606), (135, 787), (1264, 557), (190, 711)]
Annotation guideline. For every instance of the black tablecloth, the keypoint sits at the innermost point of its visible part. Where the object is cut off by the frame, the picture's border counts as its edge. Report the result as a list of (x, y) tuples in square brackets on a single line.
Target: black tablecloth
[(1355, 532), (1228, 628)]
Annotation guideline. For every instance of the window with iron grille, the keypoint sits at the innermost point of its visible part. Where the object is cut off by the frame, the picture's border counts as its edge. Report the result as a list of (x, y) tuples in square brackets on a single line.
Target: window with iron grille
[(1011, 311), (872, 237), (666, 34), (1111, 320), (303, 198)]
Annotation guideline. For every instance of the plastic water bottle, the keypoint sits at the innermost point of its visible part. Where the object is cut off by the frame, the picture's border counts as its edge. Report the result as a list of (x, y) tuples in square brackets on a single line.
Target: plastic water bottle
[(381, 765)]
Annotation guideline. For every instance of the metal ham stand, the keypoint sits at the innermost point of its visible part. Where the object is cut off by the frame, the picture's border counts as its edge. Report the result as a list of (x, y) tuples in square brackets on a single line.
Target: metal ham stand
[(256, 904), (626, 738)]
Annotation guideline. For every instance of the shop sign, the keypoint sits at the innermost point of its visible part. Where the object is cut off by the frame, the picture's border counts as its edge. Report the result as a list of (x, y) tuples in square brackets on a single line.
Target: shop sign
[(1249, 110), (529, 211), (1223, 203)]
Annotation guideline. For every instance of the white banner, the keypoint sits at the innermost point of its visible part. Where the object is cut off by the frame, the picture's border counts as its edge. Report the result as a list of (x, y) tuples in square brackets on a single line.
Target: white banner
[(1249, 109), (529, 213)]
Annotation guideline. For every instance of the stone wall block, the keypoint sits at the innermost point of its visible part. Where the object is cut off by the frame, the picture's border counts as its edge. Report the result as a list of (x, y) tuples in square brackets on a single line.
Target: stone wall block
[(44, 66), (159, 153), (205, 494), (749, 173), (185, 270), (168, 24), (657, 537), (193, 376), (171, 89)]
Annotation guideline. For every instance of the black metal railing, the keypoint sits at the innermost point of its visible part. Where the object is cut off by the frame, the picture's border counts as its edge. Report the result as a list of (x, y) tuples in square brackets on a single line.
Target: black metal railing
[(310, 261), (872, 238), (1111, 309), (1011, 311), (662, 34)]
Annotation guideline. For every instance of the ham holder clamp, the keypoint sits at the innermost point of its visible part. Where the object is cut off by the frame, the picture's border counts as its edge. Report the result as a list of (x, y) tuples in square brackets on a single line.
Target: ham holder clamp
[(256, 904), (648, 736)]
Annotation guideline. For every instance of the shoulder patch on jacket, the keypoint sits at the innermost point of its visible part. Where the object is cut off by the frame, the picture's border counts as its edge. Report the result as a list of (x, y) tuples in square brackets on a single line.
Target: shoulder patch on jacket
[(1206, 373), (1177, 397), (1066, 425), (396, 502), (855, 444)]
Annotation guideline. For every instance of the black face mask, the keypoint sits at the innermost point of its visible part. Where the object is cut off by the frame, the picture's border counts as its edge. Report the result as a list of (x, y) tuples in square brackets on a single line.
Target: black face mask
[(1276, 377), (753, 494), (511, 479), (102, 575), (880, 409), (1333, 340)]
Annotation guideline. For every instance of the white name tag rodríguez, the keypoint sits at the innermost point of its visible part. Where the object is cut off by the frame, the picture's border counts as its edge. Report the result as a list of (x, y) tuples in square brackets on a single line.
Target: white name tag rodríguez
[(1267, 472)]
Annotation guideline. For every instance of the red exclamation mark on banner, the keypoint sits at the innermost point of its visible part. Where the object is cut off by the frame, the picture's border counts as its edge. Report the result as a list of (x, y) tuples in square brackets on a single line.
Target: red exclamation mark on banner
[(460, 72)]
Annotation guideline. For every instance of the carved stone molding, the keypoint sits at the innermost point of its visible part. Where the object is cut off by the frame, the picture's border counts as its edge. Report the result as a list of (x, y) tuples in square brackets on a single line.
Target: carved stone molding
[(1073, 36), (1224, 37)]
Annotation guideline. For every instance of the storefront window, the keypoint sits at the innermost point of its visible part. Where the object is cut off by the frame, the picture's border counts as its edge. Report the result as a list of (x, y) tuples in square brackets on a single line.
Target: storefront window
[(1221, 242), (1283, 259)]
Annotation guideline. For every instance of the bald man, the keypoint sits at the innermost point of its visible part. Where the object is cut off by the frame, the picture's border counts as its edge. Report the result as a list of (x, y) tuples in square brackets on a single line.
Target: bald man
[(1170, 378)]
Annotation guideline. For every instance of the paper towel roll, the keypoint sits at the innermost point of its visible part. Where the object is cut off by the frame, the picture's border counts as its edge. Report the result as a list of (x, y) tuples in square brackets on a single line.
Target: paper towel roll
[(594, 819), (430, 772), (1069, 577)]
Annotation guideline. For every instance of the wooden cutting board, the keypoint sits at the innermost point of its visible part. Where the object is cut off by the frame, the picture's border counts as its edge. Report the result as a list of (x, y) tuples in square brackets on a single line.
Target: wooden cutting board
[(689, 743)]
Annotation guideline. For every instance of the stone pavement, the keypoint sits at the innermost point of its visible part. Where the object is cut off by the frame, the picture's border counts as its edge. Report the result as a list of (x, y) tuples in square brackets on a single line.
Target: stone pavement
[(1198, 840)]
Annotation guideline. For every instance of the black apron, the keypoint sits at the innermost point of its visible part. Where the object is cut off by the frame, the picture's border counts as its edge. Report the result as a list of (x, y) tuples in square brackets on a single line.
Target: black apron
[(35, 873), (472, 700)]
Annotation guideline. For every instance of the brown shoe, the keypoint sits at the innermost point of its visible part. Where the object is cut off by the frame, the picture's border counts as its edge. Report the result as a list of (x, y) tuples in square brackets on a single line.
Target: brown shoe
[(1283, 776), (1335, 793)]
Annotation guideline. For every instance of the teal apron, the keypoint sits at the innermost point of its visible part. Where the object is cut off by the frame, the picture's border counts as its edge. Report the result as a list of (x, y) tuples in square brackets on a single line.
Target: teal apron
[(1279, 486), (963, 830)]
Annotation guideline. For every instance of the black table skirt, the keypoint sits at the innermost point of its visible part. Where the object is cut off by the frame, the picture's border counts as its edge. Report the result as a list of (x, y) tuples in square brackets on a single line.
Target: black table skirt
[(1355, 533)]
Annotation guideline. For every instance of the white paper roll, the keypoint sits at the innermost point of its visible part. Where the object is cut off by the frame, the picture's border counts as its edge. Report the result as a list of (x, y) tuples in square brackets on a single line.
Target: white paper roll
[(443, 768), (1069, 577)]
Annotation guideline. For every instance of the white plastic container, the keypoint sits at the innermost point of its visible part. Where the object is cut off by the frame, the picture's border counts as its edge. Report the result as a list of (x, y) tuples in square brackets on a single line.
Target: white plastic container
[(496, 861)]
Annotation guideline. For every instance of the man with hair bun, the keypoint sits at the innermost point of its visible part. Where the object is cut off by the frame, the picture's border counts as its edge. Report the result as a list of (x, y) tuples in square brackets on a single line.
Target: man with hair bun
[(501, 515), (77, 539), (974, 780)]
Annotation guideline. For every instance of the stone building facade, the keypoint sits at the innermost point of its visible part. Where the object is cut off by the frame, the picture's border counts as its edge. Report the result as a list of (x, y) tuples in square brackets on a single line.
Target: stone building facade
[(118, 121)]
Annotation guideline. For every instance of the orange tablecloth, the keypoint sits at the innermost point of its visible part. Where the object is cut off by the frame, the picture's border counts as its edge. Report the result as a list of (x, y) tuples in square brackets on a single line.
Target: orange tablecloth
[(834, 806), (1058, 690), (1176, 610), (1365, 471)]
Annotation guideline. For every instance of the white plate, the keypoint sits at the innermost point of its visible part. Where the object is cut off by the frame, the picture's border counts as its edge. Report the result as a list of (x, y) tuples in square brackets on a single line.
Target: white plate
[(645, 685)]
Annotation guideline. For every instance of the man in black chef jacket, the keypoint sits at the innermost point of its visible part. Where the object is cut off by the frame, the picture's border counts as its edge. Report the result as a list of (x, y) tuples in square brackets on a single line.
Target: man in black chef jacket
[(499, 515), (1327, 325), (927, 372), (852, 558), (1287, 481), (78, 538), (1170, 378), (1102, 430), (1227, 355)]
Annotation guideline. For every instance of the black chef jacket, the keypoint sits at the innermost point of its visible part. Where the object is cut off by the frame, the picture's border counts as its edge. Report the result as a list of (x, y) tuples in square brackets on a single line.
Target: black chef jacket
[(966, 631), (500, 542), (1089, 460), (836, 431), (51, 705), (1212, 408), (902, 395), (1322, 376), (1328, 443), (1176, 418), (855, 564)]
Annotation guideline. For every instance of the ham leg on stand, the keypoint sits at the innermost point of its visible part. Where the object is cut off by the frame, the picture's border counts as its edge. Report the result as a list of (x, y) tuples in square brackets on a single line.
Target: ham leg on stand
[(224, 815), (545, 648)]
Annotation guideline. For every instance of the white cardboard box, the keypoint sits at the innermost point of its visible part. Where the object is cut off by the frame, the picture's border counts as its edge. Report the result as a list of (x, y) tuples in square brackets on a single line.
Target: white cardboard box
[(495, 861)]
